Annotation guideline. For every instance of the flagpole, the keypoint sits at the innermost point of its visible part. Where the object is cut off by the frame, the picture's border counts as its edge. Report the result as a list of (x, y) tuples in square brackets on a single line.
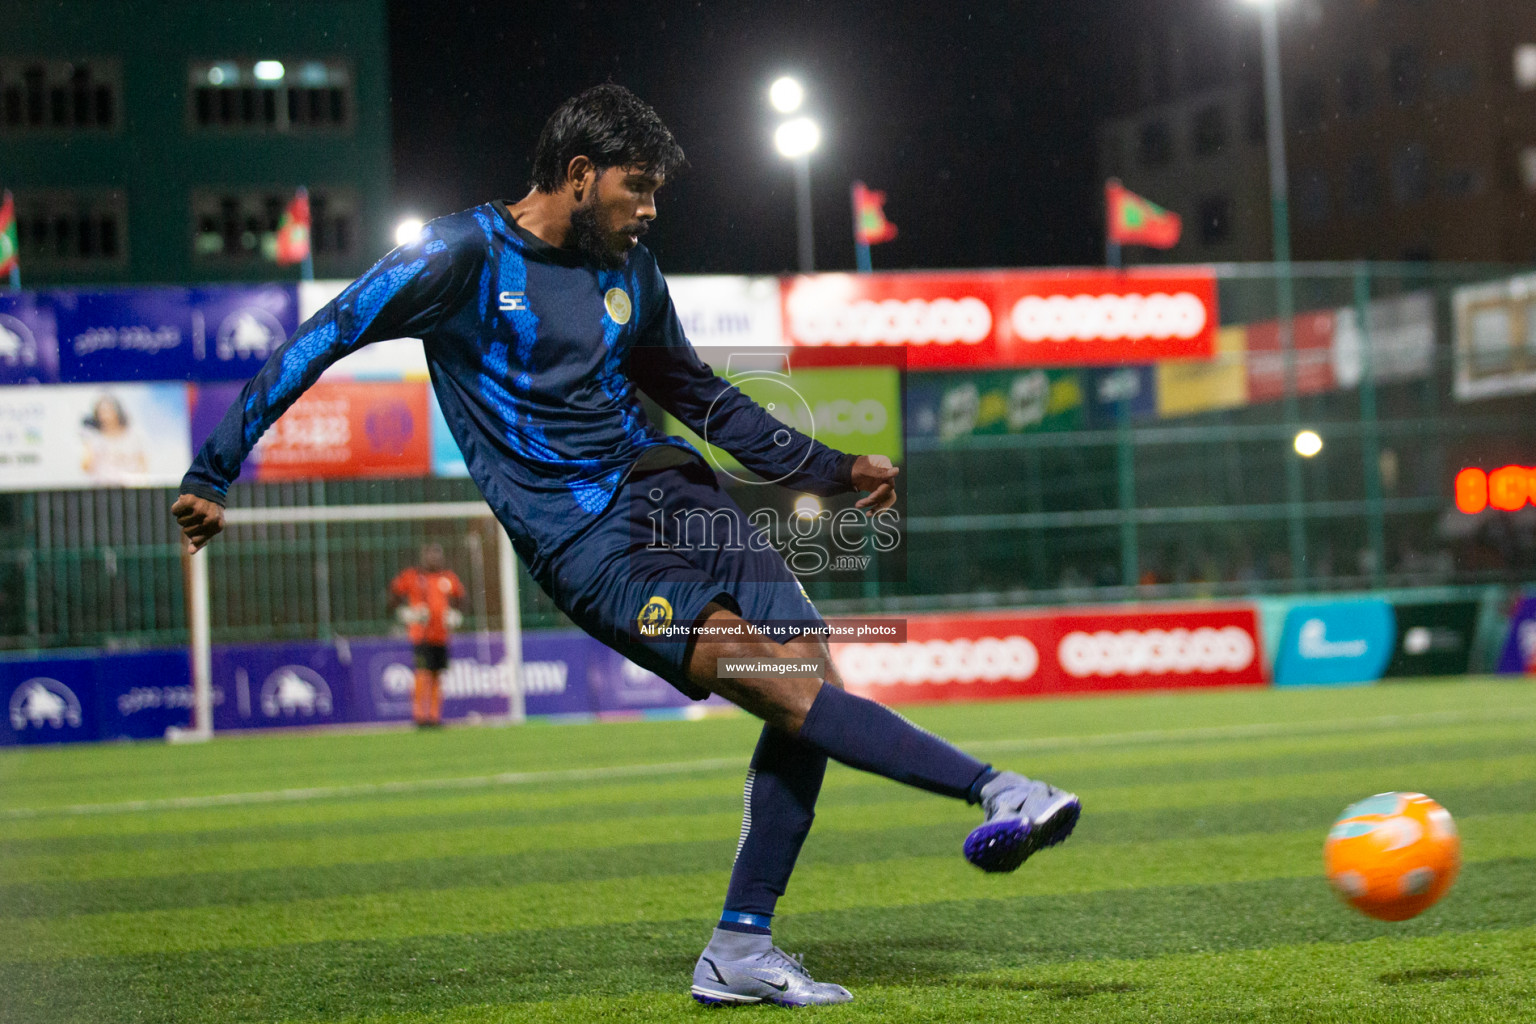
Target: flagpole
[(860, 247)]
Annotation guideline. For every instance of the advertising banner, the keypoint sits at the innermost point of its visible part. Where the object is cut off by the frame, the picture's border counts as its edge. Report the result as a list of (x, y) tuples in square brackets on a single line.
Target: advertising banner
[(282, 684), (954, 407), (1009, 654), (74, 436), (734, 311), (1433, 639), (1107, 389), (999, 319), (336, 429), (1519, 654), (48, 701), (29, 340), (1189, 386), (213, 332), (1312, 345), (1402, 333), (1495, 328), (854, 410), (1335, 644)]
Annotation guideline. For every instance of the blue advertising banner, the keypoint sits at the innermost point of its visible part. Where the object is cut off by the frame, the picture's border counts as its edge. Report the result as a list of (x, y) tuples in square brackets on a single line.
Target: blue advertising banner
[(1519, 654), (215, 332), (282, 684), (140, 695), (49, 701), (120, 696), (29, 340), (1106, 388), (1335, 644)]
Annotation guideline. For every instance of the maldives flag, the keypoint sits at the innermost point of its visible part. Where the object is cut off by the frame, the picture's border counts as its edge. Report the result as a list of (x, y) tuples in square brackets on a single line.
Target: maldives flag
[(9, 261), (1135, 221), (869, 224), (293, 231)]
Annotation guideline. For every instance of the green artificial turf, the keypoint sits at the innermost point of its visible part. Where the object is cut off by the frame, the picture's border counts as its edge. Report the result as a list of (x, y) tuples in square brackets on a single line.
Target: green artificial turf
[(573, 872)]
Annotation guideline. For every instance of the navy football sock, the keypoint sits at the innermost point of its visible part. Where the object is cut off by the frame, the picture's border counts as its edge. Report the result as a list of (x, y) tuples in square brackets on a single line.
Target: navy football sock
[(863, 734), (780, 803)]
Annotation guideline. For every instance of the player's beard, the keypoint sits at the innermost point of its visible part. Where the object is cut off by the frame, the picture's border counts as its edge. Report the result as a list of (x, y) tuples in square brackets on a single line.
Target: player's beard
[(599, 246)]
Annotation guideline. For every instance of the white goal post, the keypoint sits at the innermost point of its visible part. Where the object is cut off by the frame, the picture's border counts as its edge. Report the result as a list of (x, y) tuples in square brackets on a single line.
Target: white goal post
[(198, 600)]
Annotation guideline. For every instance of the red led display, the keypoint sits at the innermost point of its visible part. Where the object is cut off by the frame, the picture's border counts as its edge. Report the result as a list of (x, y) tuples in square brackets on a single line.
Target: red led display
[(1507, 488)]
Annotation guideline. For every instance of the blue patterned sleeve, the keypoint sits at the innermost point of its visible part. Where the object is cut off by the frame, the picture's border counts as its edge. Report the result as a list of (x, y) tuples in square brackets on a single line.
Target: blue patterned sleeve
[(665, 366), (403, 296)]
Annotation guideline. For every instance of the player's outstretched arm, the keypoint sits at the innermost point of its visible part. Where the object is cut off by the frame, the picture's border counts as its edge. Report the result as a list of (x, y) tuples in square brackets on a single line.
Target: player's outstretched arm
[(875, 475), (200, 520)]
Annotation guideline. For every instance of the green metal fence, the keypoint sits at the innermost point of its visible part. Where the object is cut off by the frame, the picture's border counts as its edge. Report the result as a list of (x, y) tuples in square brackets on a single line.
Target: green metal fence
[(1215, 503)]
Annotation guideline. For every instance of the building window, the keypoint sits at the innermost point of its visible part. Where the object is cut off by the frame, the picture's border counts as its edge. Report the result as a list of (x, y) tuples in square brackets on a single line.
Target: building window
[(1406, 73), (241, 227), (59, 95), (1363, 189), (1355, 88), (1311, 102), (1410, 173), (270, 95), (64, 228), (1215, 220), (1312, 197), (1210, 130), (1156, 146), (1525, 66)]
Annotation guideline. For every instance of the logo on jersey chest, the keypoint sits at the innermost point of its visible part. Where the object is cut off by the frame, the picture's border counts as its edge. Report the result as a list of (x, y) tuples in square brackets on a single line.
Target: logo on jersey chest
[(655, 617), (618, 305), (509, 302)]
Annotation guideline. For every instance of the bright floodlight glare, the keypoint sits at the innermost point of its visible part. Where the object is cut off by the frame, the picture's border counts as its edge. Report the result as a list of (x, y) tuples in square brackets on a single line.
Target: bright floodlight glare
[(215, 75), (808, 505), (786, 95), (408, 231), (797, 138), (1308, 444), (269, 70)]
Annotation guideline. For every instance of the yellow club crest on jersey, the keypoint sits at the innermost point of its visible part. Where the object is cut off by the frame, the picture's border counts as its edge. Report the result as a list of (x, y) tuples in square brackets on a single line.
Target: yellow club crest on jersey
[(619, 308), (656, 616)]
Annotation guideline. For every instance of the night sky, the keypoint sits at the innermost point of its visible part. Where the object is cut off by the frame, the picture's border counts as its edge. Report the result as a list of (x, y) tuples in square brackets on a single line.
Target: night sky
[(976, 119)]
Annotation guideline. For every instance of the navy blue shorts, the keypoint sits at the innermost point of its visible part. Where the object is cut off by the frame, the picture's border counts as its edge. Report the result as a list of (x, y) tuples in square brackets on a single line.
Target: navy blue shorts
[(671, 543)]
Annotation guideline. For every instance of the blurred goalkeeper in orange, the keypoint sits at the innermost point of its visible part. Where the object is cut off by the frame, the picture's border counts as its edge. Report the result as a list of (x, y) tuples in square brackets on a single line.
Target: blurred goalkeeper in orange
[(426, 598)]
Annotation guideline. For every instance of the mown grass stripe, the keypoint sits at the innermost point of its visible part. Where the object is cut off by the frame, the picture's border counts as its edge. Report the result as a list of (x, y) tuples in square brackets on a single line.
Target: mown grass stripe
[(892, 882), (919, 955), (639, 857), (615, 756), (904, 808)]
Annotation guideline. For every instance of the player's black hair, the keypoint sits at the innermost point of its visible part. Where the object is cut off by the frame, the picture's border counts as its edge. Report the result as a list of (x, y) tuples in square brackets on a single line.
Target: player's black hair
[(613, 128)]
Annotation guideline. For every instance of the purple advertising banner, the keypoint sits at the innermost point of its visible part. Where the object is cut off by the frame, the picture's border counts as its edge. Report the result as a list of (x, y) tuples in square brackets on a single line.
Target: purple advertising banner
[(1519, 654), (29, 341), (282, 684), (73, 700), (215, 332)]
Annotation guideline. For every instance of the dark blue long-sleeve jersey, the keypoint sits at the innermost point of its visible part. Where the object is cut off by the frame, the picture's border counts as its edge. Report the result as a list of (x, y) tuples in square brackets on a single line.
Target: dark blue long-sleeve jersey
[(536, 356)]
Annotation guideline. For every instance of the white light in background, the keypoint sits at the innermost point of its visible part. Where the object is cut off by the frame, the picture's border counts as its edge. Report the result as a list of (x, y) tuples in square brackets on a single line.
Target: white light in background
[(808, 505), (215, 75), (269, 70), (1308, 444), (786, 95), (797, 138), (1525, 66), (408, 230)]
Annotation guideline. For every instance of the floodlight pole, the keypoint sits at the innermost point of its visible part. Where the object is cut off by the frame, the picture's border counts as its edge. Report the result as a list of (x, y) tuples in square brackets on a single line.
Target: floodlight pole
[(1285, 294), (806, 230)]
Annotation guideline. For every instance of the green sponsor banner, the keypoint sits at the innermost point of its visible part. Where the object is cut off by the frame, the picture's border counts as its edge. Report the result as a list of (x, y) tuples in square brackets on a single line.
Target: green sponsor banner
[(851, 409), (953, 407)]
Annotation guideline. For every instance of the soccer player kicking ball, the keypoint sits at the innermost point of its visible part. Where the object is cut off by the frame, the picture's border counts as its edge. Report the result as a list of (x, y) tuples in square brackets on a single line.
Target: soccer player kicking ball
[(540, 320)]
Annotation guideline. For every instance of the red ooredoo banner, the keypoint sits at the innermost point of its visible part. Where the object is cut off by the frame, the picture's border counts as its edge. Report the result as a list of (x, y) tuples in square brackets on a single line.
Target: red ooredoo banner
[(1003, 318), (1012, 654)]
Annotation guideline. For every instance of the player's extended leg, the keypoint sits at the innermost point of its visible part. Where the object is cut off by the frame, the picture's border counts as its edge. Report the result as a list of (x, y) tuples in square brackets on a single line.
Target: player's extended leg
[(1023, 815)]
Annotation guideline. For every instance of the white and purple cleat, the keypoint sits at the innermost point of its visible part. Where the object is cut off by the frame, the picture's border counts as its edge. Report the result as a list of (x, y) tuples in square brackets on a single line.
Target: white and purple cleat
[(772, 976), (1023, 816)]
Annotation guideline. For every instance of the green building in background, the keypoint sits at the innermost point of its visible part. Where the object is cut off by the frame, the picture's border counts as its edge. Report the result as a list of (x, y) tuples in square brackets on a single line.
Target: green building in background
[(159, 142)]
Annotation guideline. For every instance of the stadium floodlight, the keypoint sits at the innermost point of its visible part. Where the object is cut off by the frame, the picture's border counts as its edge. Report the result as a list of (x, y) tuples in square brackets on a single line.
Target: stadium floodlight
[(786, 94), (1308, 444), (269, 70), (808, 506), (408, 230), (797, 138)]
